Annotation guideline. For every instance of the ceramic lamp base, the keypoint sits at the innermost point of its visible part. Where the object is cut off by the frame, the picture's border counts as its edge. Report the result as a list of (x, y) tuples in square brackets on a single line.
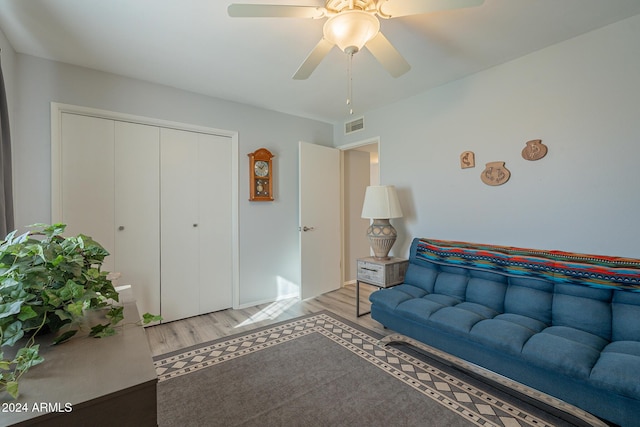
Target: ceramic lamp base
[(381, 236)]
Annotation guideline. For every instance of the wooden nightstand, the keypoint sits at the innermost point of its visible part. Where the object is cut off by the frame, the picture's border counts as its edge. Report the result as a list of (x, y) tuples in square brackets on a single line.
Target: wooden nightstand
[(380, 273)]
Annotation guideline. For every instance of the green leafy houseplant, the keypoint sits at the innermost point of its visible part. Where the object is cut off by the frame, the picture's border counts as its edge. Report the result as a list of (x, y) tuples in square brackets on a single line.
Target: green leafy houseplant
[(47, 281)]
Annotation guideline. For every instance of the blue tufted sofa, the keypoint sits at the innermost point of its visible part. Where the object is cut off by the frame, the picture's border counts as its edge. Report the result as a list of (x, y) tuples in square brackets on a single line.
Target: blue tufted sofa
[(563, 323)]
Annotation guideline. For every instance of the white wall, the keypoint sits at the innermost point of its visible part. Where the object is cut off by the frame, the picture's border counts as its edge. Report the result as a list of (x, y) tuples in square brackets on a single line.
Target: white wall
[(581, 97), (269, 260)]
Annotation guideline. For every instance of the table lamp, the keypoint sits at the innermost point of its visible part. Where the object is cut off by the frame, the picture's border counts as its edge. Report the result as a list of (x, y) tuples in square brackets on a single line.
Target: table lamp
[(381, 204)]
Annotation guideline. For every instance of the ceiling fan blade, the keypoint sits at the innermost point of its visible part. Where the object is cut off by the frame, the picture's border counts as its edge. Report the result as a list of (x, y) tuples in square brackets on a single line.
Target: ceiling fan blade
[(237, 10), (313, 60), (396, 8), (387, 55)]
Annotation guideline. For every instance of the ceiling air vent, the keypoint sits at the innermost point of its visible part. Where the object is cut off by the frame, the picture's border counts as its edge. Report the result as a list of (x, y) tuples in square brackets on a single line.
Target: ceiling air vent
[(354, 126)]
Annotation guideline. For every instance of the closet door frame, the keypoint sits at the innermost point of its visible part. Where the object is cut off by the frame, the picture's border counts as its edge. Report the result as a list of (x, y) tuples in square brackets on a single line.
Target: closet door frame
[(57, 109)]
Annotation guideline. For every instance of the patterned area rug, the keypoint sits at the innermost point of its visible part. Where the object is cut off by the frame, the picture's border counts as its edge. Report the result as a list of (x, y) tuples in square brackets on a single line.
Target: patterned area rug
[(322, 370)]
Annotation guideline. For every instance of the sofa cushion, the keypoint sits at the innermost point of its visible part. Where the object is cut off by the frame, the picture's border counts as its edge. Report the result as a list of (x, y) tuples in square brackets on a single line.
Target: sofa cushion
[(410, 290), (527, 322), (584, 308), (531, 298), (445, 300), (451, 284), (421, 277), (570, 351), (418, 309), (456, 319), (506, 332), (625, 318), (489, 293), (618, 367), (483, 311), (389, 298)]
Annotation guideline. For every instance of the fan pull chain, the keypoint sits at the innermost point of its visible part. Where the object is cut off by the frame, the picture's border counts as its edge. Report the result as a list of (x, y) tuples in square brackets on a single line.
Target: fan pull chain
[(350, 82)]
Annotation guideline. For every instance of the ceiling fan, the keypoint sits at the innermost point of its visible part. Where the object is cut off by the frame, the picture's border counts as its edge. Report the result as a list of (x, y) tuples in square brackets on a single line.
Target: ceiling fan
[(351, 25)]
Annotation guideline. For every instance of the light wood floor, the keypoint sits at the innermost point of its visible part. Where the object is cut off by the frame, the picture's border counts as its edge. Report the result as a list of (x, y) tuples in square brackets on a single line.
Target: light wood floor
[(195, 330)]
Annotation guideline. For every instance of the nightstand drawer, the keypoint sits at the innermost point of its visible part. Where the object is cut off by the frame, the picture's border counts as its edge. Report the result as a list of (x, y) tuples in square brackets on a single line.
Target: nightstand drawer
[(371, 273), (381, 273)]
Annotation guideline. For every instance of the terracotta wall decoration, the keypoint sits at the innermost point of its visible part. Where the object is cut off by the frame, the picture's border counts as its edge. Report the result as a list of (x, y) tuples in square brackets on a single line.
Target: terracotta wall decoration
[(534, 150), (495, 173), (467, 160)]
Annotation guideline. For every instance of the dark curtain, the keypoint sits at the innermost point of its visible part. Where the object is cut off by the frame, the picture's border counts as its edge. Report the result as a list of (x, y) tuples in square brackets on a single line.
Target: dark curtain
[(6, 186)]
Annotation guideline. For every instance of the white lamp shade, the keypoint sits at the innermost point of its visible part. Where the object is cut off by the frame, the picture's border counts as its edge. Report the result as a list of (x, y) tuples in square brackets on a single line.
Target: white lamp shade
[(352, 28), (381, 202)]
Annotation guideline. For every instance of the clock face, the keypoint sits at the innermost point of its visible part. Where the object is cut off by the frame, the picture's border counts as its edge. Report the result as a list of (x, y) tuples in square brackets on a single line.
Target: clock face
[(261, 168)]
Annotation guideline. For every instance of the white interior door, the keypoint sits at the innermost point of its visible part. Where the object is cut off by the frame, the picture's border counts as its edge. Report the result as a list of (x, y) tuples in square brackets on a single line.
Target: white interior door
[(215, 222), (196, 223), (320, 208), (137, 216), (86, 169), (179, 224)]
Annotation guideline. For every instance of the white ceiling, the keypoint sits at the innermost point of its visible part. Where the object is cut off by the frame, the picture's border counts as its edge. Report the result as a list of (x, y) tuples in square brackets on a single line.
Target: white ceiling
[(195, 46)]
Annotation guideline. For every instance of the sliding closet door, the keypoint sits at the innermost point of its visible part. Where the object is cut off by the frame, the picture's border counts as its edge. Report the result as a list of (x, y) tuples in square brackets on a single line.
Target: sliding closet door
[(160, 200), (179, 224), (214, 217), (86, 169), (196, 223), (137, 217)]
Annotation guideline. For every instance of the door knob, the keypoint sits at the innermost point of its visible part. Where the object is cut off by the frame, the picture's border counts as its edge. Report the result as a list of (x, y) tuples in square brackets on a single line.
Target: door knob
[(305, 228), (121, 228)]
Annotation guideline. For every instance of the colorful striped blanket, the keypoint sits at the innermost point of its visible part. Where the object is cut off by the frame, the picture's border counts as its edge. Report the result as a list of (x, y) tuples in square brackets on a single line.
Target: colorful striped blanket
[(556, 266)]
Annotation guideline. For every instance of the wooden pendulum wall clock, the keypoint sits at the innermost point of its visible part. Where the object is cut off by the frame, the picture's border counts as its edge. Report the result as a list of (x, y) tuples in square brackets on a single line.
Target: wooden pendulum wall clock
[(260, 176)]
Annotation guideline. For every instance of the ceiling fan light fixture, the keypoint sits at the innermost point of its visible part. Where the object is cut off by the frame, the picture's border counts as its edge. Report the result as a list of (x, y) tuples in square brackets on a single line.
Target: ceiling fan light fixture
[(350, 30)]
